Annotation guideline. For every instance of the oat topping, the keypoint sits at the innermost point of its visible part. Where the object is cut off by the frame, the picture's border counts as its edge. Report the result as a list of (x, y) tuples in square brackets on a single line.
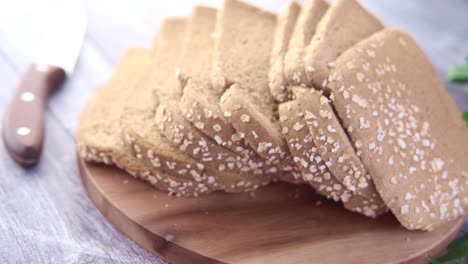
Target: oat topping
[(245, 118), (394, 115)]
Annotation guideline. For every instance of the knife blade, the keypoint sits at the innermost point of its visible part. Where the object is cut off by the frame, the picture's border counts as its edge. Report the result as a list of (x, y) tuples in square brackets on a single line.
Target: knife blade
[(44, 37)]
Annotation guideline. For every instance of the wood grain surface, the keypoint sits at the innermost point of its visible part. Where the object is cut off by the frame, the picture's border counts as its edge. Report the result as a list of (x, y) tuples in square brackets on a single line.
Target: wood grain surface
[(281, 223), (45, 215)]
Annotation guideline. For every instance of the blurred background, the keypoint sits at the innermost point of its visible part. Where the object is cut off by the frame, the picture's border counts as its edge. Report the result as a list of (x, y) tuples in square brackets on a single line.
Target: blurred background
[(45, 216)]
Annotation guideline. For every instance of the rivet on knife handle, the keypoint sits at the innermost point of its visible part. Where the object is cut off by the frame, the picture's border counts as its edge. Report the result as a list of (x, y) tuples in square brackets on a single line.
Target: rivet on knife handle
[(23, 124)]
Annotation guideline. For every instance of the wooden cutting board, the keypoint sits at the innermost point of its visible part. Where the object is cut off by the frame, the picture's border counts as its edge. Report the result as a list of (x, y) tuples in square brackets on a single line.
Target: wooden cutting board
[(277, 224)]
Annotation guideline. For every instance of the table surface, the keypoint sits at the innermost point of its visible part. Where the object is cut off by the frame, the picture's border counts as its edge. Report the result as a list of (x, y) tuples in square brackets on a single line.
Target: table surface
[(45, 215)]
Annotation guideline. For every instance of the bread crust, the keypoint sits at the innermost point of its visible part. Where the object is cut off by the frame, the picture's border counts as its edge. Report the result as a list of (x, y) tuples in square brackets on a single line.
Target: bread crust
[(314, 168), (287, 19), (413, 146), (294, 68), (344, 24)]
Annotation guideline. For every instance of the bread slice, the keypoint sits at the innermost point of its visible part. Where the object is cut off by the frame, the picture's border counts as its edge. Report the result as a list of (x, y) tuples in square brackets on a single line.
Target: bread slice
[(241, 66), (242, 57), (262, 133), (98, 136), (200, 102), (200, 106), (137, 116), (413, 139), (161, 180), (194, 143), (198, 46), (313, 166), (334, 146), (343, 25), (142, 137), (305, 29), (367, 207), (333, 143), (99, 133), (188, 137), (284, 29), (306, 155)]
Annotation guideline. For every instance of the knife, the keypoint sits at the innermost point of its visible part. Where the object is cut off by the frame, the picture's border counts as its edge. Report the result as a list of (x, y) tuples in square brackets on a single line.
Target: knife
[(44, 37)]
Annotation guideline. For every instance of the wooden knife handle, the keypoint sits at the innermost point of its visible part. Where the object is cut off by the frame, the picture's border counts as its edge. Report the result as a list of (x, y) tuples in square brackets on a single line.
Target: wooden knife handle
[(23, 124)]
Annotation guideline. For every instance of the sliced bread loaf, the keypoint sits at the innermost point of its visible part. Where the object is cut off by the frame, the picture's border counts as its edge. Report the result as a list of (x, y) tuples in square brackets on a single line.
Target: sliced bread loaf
[(413, 146), (98, 136), (137, 115), (311, 14), (242, 57), (188, 137), (241, 65), (200, 102), (99, 133), (284, 30), (141, 136), (342, 26)]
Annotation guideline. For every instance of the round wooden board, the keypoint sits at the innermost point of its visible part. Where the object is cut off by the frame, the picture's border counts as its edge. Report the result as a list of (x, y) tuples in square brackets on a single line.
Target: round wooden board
[(280, 223)]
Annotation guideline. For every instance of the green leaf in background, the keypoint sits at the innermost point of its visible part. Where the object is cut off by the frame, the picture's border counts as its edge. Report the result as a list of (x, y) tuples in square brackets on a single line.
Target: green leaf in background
[(434, 261), (458, 73), (459, 241), (457, 252), (465, 116)]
